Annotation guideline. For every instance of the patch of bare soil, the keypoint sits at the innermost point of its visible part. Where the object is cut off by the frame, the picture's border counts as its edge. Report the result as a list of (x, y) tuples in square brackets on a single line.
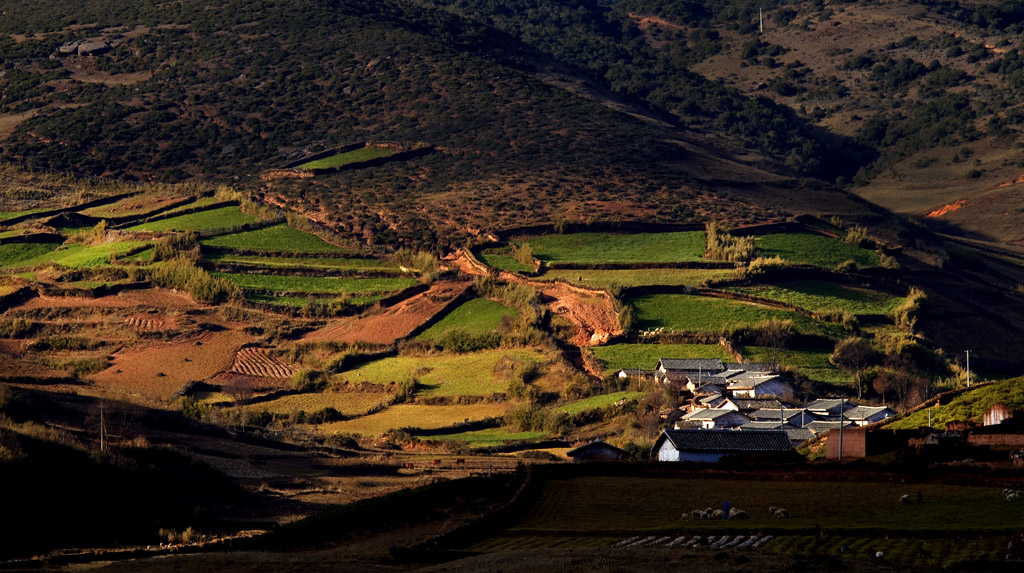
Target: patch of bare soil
[(150, 322), (14, 368), (241, 386), (155, 371), (395, 322)]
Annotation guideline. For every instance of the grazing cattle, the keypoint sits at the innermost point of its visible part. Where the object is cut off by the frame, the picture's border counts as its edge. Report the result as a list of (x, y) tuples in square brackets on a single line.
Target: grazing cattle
[(410, 466), (460, 461), (437, 462)]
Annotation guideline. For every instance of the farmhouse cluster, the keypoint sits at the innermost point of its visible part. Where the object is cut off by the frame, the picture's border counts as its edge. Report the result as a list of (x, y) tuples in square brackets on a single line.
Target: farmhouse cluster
[(743, 408)]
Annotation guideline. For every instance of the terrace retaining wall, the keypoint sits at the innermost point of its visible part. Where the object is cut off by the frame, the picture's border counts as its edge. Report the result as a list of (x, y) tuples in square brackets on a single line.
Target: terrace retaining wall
[(625, 227), (73, 208), (33, 238)]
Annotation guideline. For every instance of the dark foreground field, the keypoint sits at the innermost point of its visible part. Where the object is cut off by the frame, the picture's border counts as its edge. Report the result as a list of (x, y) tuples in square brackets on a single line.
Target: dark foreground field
[(571, 518)]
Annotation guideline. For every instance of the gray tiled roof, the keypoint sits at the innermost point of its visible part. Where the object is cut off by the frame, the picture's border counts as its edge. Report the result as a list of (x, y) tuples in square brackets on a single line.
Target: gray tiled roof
[(758, 403), (824, 426), (695, 364), (728, 440), (750, 366), (708, 414), (825, 404), (787, 413), (865, 412)]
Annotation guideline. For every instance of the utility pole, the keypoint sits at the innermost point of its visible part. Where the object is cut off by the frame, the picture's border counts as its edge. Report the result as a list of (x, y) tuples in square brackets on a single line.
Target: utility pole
[(842, 413), (968, 368), (102, 429), (760, 20)]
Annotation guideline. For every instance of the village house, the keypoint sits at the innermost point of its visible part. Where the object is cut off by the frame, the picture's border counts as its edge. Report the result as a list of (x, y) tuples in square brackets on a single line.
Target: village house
[(713, 445), (797, 417), (757, 385), (864, 415), (829, 408), (797, 436), (597, 451), (684, 370), (712, 418)]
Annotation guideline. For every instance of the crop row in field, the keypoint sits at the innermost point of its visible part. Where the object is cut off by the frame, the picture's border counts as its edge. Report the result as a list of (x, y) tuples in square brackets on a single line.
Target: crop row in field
[(688, 313), (476, 316), (416, 416), (813, 249), (596, 504), (819, 296), (348, 158), (636, 277), (609, 248), (330, 263), (446, 374), (330, 285), (602, 401), (646, 356), (214, 219), (276, 238)]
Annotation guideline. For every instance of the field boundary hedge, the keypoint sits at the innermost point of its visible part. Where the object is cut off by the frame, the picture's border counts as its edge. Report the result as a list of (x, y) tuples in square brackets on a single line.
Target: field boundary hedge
[(635, 266), (347, 254), (623, 227), (115, 222), (17, 297), (32, 238), (297, 271)]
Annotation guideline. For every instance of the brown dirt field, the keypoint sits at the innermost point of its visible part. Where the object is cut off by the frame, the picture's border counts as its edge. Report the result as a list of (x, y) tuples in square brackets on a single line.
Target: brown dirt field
[(14, 367), (257, 362), (150, 322), (104, 78), (395, 322), (10, 121), (155, 297), (12, 347), (232, 382), (155, 371)]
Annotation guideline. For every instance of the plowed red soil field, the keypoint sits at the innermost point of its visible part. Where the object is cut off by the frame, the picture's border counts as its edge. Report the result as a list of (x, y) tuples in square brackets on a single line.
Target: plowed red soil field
[(395, 322), (155, 371)]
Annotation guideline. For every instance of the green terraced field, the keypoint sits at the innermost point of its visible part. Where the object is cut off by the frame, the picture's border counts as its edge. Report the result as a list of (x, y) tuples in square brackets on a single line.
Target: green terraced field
[(444, 374), (24, 255), (5, 215), (416, 416), (301, 302), (476, 316), (812, 363), (348, 158), (277, 238), (595, 402), (819, 296), (689, 313), (636, 277), (970, 405), (212, 220), (502, 259), (646, 356), (341, 263), (489, 437), (607, 248), (333, 285), (813, 249)]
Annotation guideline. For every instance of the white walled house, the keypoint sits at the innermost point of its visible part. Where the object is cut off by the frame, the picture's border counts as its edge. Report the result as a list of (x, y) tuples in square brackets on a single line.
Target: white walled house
[(713, 445), (712, 418)]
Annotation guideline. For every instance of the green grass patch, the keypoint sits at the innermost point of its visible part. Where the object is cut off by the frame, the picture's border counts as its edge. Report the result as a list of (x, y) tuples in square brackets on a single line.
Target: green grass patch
[(608, 248), (636, 277), (15, 254), (198, 203), (332, 285), (970, 405), (596, 504), (819, 296), (501, 258), (646, 356), (416, 416), (23, 255), (5, 215), (812, 363), (444, 374), (476, 316), (687, 313), (490, 437), (277, 238), (135, 205), (348, 158), (304, 262), (595, 402), (214, 219), (813, 249)]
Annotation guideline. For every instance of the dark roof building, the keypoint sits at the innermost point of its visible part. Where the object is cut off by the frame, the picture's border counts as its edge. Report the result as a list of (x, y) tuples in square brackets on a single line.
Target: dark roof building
[(830, 407), (597, 451), (713, 445)]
